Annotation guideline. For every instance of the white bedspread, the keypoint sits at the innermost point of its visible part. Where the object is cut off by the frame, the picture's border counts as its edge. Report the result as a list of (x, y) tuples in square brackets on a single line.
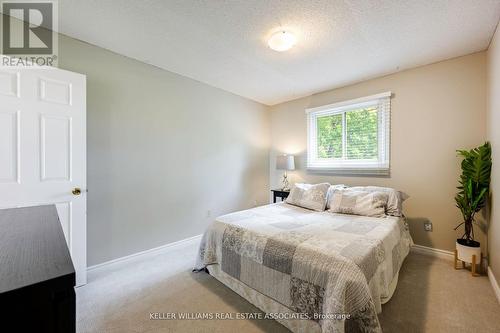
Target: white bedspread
[(311, 262)]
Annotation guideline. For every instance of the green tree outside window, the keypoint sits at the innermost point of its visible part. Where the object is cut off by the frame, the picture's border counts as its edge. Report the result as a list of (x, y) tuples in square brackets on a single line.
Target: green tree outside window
[(361, 135)]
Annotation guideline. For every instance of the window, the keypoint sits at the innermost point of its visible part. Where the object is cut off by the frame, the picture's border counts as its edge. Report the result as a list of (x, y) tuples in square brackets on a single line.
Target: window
[(351, 137)]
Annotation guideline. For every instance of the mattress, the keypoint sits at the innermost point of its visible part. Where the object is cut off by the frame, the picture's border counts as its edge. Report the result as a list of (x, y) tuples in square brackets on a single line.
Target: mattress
[(333, 270)]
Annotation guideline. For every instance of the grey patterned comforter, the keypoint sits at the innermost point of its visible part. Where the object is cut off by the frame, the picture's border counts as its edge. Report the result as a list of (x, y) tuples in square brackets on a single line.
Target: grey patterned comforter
[(321, 265)]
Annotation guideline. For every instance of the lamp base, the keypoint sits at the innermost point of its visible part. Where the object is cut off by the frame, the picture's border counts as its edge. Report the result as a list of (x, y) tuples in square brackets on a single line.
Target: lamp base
[(285, 183)]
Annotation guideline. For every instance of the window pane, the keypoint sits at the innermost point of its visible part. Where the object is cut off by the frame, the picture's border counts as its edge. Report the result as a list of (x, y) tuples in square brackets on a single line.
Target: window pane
[(329, 136), (362, 134)]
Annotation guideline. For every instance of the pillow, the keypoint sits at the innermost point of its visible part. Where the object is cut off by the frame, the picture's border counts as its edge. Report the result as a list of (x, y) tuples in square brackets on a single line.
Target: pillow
[(349, 201), (394, 202), (309, 196), (330, 193)]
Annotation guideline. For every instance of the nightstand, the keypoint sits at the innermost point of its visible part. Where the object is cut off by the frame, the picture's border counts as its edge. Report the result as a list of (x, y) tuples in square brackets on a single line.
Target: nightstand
[(280, 194)]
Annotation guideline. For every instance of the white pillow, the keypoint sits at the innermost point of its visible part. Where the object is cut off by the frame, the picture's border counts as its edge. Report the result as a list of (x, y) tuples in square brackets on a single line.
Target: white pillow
[(349, 201), (330, 193), (394, 201), (309, 196)]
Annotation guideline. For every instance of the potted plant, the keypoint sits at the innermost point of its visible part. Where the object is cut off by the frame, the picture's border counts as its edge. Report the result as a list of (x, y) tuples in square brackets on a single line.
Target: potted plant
[(471, 198)]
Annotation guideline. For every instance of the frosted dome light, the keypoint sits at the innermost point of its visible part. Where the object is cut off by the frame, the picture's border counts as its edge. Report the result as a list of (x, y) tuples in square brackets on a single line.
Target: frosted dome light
[(282, 41)]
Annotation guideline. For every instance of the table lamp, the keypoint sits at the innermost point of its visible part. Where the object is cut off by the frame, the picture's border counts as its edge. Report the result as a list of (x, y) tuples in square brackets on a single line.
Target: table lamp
[(287, 163)]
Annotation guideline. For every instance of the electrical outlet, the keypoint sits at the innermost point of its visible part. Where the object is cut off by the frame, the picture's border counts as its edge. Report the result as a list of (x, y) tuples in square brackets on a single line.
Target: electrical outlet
[(209, 213), (428, 226)]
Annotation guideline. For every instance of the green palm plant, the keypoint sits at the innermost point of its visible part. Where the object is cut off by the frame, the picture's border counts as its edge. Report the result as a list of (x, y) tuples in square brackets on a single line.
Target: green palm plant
[(474, 187)]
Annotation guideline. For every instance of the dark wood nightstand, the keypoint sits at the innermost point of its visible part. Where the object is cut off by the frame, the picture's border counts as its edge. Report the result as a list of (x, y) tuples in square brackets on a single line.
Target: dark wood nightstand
[(280, 194)]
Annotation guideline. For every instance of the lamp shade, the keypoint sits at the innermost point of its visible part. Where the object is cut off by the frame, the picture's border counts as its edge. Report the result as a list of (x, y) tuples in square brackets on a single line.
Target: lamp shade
[(285, 162)]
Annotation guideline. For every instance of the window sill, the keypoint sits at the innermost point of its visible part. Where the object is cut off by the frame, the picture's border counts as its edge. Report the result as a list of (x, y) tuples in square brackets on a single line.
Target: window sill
[(351, 171)]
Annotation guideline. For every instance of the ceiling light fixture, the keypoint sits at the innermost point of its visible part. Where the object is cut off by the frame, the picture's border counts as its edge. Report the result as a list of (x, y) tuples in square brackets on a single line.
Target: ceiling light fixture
[(282, 41)]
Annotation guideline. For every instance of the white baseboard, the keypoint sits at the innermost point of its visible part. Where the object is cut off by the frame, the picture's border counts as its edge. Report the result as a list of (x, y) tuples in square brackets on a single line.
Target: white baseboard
[(430, 251), (163, 249), (494, 283)]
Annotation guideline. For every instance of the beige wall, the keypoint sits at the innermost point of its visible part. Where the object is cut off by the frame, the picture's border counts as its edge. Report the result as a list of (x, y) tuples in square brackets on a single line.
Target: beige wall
[(163, 150), (493, 121), (436, 109)]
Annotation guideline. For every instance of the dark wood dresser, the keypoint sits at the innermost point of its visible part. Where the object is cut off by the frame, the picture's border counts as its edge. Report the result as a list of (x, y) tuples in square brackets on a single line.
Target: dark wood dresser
[(37, 277)]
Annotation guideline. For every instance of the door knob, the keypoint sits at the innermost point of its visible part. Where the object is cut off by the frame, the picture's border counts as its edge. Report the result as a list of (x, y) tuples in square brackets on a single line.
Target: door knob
[(76, 191)]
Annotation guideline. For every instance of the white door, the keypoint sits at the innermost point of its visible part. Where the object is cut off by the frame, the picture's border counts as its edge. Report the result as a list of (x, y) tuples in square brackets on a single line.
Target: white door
[(43, 148)]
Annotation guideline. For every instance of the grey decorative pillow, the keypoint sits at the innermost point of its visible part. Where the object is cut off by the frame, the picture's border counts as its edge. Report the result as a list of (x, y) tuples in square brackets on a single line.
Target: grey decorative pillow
[(394, 201), (356, 202), (309, 196)]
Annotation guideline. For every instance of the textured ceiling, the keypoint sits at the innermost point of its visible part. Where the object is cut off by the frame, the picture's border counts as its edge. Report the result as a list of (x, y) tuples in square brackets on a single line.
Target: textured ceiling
[(223, 43)]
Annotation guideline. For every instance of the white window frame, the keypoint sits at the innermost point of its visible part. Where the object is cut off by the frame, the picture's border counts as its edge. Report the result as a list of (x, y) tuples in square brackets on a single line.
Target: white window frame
[(380, 166)]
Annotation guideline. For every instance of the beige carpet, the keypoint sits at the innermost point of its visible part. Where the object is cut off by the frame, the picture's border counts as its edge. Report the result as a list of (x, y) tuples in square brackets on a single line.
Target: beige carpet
[(431, 297)]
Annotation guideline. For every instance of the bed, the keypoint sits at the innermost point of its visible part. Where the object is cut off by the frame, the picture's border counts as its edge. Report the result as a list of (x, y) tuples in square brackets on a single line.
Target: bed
[(311, 271)]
